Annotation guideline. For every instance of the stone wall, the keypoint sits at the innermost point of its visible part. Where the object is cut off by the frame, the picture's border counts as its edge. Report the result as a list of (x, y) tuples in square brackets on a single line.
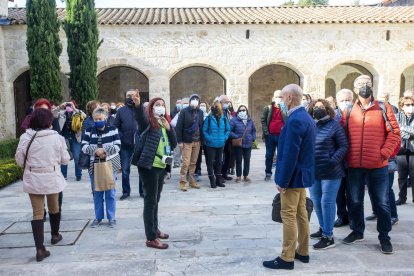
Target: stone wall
[(160, 51)]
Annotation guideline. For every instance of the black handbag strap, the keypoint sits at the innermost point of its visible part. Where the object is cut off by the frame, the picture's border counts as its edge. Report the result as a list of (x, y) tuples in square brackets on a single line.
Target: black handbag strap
[(27, 150)]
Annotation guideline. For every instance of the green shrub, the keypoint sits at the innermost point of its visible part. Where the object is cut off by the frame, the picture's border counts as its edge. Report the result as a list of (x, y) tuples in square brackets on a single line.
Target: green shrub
[(8, 148), (9, 172)]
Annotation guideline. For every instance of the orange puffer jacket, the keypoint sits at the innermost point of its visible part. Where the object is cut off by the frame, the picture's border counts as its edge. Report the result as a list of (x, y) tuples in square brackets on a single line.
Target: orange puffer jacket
[(371, 141)]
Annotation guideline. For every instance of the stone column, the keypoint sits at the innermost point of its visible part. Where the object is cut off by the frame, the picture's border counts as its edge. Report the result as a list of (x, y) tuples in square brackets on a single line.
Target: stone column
[(314, 84), (159, 86), (4, 11)]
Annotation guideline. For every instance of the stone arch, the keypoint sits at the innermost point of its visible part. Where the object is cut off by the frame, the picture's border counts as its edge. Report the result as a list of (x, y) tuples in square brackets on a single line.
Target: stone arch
[(345, 71), (263, 82), (407, 79), (115, 80), (202, 79)]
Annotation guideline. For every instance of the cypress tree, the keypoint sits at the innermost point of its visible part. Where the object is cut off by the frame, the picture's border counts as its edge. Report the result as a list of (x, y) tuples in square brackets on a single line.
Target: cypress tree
[(44, 48), (82, 32)]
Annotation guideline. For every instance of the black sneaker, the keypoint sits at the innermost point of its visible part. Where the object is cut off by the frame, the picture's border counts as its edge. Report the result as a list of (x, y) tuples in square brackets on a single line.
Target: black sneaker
[(386, 247), (78, 178), (303, 259), (394, 221), (278, 263), (400, 201), (341, 222), (226, 177), (124, 196), (371, 217), (316, 235), (353, 238), (268, 177), (324, 243)]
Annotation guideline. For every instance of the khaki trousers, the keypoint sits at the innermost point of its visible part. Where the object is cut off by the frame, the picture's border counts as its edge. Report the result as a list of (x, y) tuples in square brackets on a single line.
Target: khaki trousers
[(295, 223), (190, 155), (38, 204)]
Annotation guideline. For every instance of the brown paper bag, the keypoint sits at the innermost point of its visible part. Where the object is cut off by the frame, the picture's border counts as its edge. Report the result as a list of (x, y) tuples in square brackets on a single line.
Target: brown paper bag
[(103, 176)]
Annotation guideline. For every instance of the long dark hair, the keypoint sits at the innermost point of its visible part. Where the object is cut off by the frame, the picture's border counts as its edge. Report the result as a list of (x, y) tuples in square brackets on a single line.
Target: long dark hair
[(150, 112), (240, 106), (325, 103)]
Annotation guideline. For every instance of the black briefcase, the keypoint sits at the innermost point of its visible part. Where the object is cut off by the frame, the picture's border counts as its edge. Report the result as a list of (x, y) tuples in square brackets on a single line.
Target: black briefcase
[(276, 216)]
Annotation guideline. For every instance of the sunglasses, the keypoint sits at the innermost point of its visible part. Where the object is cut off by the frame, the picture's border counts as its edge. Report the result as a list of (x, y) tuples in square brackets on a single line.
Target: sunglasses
[(409, 104)]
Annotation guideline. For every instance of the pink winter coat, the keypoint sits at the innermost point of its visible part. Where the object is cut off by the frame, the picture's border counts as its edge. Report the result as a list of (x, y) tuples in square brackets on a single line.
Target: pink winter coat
[(48, 151)]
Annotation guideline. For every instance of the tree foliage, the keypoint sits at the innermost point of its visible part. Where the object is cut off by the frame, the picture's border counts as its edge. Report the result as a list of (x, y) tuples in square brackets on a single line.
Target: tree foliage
[(44, 48), (83, 42), (313, 2)]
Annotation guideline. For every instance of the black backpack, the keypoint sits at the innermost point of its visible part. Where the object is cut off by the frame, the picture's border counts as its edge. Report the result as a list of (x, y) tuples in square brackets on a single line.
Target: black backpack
[(277, 206)]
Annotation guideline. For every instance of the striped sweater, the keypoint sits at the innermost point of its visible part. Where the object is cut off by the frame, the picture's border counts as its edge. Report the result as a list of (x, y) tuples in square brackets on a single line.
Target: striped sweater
[(108, 139)]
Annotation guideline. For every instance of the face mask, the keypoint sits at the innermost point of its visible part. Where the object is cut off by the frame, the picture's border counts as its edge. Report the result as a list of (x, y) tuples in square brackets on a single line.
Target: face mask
[(113, 111), (282, 106), (344, 105), (365, 92), (215, 110), (185, 105), (178, 106), (100, 124), (129, 102), (319, 113), (113, 106), (242, 115), (225, 106), (69, 109), (203, 108), (277, 100), (159, 111), (408, 110), (194, 103), (305, 102)]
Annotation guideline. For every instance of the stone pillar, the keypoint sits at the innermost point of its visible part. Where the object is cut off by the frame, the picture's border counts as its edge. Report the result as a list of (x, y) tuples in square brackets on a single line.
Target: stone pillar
[(314, 84), (390, 82), (4, 11), (159, 86)]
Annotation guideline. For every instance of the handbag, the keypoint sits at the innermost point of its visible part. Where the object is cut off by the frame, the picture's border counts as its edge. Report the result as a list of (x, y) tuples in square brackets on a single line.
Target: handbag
[(103, 175), (238, 142), (277, 206), (27, 150), (84, 161)]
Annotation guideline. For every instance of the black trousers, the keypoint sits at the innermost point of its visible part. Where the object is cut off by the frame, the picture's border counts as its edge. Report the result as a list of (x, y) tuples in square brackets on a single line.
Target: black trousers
[(152, 183), (242, 154), (200, 158), (226, 157), (214, 160), (405, 170), (342, 200)]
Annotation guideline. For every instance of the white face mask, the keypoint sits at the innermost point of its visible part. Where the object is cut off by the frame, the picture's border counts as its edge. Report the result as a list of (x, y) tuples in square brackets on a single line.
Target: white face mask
[(159, 111), (305, 102), (408, 110), (242, 115), (203, 108), (344, 105), (225, 106), (194, 103), (113, 106), (185, 105), (277, 100)]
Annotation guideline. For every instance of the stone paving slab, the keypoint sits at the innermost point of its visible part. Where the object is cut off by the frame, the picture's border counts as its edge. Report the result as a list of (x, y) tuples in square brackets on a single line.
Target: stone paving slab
[(213, 232)]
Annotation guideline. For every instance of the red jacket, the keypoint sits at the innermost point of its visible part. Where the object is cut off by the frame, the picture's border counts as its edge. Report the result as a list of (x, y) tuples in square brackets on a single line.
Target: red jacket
[(371, 141)]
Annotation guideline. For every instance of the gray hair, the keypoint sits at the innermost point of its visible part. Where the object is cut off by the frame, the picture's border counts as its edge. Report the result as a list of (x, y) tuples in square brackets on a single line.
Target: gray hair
[(100, 111), (344, 92), (185, 100), (362, 80), (294, 90)]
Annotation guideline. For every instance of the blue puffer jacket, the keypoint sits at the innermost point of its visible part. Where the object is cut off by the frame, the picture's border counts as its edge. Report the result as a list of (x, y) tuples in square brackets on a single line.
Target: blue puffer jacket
[(216, 134), (237, 130), (331, 147)]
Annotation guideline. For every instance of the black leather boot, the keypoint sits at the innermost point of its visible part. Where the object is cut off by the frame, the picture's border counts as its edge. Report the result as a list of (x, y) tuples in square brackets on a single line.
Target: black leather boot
[(219, 181), (54, 227), (212, 181), (38, 236)]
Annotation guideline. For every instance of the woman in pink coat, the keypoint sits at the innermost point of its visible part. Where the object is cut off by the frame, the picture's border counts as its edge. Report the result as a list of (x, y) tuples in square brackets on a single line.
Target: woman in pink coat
[(40, 152)]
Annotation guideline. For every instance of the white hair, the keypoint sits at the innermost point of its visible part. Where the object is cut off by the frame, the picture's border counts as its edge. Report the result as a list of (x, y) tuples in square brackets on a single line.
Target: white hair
[(100, 111), (344, 92), (362, 80)]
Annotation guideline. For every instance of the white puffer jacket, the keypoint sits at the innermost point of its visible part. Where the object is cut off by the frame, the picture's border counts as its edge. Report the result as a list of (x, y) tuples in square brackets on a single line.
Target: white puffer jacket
[(48, 151)]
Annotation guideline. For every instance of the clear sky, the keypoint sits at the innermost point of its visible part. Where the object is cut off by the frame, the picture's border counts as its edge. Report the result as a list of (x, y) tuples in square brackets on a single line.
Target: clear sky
[(191, 3)]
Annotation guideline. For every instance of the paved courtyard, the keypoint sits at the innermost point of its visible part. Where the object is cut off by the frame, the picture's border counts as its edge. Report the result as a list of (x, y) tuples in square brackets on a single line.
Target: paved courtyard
[(225, 231)]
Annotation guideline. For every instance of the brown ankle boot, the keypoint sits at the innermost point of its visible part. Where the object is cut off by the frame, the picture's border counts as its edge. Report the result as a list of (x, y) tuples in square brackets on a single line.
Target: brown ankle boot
[(161, 235), (156, 244)]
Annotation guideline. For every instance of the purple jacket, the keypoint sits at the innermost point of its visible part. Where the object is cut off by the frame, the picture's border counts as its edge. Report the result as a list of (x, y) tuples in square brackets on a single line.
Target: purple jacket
[(237, 129)]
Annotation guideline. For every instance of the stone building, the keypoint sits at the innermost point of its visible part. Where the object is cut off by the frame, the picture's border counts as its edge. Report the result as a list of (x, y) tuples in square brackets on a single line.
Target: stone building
[(246, 53)]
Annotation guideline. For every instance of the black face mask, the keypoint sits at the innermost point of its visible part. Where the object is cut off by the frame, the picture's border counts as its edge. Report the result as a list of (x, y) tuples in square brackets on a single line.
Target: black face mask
[(319, 113), (129, 102), (215, 110), (113, 111), (365, 91)]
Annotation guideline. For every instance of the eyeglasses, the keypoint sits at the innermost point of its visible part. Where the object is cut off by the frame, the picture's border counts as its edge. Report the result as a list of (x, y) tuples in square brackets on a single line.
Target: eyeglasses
[(242, 110), (319, 107)]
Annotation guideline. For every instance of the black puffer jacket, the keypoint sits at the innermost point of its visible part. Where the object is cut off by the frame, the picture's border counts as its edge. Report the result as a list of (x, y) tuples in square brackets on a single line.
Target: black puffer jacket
[(185, 122), (331, 147), (145, 150)]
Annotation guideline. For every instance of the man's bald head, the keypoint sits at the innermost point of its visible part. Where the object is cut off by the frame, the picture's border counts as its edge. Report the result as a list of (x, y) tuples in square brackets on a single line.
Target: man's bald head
[(292, 95)]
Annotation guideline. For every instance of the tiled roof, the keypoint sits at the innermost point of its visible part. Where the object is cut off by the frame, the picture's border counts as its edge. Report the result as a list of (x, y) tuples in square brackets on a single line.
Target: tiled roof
[(233, 15)]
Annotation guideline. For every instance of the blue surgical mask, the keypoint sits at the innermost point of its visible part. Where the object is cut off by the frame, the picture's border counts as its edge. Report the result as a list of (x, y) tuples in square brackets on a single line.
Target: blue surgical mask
[(178, 106), (185, 105), (225, 106), (283, 106), (100, 124)]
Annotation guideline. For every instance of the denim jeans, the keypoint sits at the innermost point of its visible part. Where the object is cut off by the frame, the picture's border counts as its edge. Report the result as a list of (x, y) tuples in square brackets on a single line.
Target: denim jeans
[(75, 148), (393, 206), (98, 200), (126, 155), (271, 145), (242, 154), (377, 181), (323, 194)]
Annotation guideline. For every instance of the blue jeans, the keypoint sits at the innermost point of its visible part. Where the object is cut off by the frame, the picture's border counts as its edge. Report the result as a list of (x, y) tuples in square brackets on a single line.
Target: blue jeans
[(393, 206), (98, 200), (75, 148), (377, 181), (271, 145), (126, 155), (323, 194)]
